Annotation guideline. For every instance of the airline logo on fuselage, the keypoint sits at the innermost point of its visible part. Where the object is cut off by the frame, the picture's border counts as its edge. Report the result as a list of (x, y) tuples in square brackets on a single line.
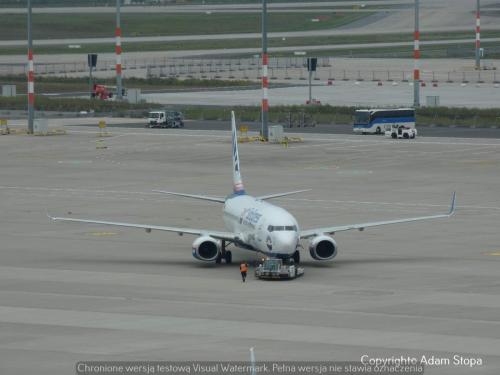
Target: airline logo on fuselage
[(250, 217)]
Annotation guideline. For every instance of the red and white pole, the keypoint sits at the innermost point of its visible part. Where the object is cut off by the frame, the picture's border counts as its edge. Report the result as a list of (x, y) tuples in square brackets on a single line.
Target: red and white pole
[(416, 57), (478, 36), (31, 79), (118, 52), (265, 79), (31, 75), (265, 82)]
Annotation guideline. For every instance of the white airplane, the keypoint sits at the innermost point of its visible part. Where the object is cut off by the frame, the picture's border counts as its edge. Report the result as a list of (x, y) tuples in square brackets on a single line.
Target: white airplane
[(254, 224)]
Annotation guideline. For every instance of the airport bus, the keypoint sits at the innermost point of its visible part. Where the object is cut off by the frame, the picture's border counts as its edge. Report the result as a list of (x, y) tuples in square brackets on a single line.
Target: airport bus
[(377, 121)]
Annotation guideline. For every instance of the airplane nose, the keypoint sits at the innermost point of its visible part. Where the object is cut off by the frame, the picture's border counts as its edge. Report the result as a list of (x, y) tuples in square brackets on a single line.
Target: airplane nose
[(286, 242)]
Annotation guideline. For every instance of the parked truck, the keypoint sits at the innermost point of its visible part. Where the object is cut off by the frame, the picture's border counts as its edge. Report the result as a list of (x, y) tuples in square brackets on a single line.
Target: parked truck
[(165, 119)]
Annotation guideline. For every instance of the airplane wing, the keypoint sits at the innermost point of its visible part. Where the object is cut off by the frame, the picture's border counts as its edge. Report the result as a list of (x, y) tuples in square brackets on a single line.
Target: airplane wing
[(330, 230), (197, 232), (202, 197), (269, 196)]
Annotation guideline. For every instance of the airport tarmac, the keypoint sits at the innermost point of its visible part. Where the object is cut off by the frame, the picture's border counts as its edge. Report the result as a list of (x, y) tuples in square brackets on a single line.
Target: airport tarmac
[(71, 292)]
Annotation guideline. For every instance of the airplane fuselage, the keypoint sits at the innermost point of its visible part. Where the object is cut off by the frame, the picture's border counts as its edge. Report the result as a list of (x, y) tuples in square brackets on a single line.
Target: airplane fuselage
[(261, 226)]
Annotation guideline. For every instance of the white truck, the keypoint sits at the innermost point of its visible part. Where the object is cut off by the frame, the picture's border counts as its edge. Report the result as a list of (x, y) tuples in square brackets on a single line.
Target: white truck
[(165, 119), (401, 132)]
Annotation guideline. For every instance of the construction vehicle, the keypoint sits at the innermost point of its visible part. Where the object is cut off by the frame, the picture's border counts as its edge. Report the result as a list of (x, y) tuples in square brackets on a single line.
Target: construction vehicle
[(165, 119), (101, 92), (401, 132), (277, 268)]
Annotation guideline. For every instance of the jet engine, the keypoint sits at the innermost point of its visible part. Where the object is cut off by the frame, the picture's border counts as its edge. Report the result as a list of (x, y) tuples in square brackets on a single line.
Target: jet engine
[(206, 248), (323, 248)]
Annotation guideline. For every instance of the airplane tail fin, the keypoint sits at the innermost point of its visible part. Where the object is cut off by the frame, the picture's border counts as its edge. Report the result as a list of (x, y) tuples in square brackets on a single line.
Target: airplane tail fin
[(238, 188)]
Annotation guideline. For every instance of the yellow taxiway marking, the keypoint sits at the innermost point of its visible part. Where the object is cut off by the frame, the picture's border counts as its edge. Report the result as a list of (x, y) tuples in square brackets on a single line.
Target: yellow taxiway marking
[(99, 234), (495, 254)]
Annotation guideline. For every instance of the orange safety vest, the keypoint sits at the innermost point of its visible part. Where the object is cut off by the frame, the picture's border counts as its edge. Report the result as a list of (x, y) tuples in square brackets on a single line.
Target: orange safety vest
[(243, 267)]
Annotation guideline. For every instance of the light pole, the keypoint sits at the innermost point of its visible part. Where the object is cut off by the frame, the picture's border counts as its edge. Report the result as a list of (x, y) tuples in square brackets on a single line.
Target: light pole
[(31, 75), (118, 51)]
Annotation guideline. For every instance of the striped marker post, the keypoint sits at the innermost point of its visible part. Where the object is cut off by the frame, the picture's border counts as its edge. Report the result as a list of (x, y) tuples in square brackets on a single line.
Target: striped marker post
[(478, 36), (265, 80), (118, 52), (31, 75), (416, 57), (265, 83)]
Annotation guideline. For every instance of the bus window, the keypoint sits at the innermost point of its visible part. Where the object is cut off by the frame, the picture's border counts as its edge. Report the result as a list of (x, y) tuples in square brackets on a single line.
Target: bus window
[(362, 117)]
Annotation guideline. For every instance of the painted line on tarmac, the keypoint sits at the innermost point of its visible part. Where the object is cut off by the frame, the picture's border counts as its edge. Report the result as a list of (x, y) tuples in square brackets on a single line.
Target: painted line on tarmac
[(102, 234), (402, 204), (495, 254), (305, 136), (161, 134), (227, 329)]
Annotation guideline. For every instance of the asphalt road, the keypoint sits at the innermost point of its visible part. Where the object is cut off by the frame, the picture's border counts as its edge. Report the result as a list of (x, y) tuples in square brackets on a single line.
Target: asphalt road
[(424, 131)]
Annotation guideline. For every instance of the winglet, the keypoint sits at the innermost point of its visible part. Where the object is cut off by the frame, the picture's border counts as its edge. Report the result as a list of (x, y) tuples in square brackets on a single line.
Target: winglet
[(452, 207), (238, 188)]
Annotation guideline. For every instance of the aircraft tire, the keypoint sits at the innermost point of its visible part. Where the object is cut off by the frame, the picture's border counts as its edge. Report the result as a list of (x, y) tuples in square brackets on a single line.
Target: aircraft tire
[(296, 257), (218, 260), (228, 257)]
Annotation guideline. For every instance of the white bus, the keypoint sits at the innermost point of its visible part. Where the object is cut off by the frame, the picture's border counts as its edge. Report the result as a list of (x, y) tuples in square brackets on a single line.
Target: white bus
[(377, 121)]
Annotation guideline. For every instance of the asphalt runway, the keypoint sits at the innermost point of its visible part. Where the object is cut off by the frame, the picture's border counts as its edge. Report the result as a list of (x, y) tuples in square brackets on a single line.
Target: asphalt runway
[(71, 292)]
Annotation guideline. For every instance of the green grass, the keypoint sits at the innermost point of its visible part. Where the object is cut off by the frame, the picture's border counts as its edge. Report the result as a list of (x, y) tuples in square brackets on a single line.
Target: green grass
[(61, 85), (46, 26)]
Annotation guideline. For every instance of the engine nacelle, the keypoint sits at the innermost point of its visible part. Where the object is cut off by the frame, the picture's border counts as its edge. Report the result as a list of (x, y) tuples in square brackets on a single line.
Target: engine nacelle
[(323, 248), (206, 248)]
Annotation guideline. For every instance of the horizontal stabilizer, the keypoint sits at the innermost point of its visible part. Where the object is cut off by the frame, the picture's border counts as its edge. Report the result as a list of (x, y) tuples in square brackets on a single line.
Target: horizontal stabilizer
[(201, 197), (269, 196)]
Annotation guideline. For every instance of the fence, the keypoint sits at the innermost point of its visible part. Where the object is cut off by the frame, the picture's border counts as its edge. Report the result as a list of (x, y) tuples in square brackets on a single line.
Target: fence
[(280, 68)]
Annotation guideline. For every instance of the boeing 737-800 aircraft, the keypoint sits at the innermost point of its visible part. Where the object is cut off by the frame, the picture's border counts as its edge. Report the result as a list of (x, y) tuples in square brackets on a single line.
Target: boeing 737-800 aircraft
[(254, 224)]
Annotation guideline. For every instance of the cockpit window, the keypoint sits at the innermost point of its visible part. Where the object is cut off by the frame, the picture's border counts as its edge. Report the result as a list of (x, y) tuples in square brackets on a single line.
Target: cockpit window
[(272, 228)]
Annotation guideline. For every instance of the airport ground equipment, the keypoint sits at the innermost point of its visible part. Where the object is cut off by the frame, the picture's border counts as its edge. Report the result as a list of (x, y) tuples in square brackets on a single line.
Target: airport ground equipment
[(101, 92), (4, 127), (276, 268), (165, 119), (401, 132)]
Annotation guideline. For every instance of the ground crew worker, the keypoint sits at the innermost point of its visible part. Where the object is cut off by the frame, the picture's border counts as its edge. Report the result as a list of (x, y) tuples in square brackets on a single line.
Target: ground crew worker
[(243, 270)]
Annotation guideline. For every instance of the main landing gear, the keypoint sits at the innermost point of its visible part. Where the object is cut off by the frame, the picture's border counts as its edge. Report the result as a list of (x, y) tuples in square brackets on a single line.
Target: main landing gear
[(224, 254)]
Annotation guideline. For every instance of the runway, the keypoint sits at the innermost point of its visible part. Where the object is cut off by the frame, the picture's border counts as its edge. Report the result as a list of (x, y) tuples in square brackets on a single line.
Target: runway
[(72, 292)]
